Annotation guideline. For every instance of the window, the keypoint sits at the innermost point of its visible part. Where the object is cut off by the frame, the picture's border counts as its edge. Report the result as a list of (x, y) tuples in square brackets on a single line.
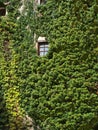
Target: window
[(43, 48)]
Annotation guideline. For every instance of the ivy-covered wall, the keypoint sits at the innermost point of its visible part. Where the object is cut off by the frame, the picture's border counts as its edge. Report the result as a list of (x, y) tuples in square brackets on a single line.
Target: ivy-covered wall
[(14, 38), (60, 90)]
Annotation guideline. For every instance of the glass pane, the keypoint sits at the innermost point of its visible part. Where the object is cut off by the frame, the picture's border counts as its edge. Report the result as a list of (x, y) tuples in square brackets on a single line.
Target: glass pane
[(45, 53), (41, 49), (42, 54), (46, 45), (42, 45), (46, 48)]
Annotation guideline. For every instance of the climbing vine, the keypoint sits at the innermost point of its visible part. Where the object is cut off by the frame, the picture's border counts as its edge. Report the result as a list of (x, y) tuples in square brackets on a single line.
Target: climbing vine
[(59, 90), (62, 86), (13, 46)]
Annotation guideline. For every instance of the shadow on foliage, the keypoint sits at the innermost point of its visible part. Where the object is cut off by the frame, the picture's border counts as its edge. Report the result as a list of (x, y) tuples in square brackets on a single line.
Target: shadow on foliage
[(3, 112), (96, 127)]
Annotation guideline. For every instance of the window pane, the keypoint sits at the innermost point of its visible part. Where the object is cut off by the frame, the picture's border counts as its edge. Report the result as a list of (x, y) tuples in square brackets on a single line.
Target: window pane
[(46, 45), (45, 53), (41, 49), (46, 48), (41, 53), (42, 45)]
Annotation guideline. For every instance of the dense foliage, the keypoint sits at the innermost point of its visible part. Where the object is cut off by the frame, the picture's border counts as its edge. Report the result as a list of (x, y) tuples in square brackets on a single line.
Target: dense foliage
[(60, 90), (13, 49)]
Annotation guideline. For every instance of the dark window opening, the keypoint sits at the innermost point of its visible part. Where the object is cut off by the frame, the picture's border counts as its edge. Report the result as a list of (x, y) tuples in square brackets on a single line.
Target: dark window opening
[(43, 48)]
